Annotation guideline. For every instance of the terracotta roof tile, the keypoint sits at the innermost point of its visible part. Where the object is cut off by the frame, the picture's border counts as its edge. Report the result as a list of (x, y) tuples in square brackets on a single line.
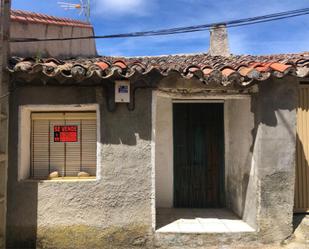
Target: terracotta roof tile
[(227, 71), (32, 17), (242, 69), (207, 70), (103, 65), (280, 67), (120, 63), (261, 68)]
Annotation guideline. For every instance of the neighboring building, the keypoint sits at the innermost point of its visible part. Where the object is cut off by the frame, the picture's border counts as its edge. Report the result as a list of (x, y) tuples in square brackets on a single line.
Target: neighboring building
[(26, 24), (148, 150)]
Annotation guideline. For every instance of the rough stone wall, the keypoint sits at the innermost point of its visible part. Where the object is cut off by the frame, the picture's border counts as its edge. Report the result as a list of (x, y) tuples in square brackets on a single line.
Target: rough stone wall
[(59, 49), (113, 211), (274, 156)]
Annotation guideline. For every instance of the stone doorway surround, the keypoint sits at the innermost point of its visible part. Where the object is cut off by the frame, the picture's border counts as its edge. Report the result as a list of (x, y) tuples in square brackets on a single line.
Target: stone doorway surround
[(238, 122), (260, 134)]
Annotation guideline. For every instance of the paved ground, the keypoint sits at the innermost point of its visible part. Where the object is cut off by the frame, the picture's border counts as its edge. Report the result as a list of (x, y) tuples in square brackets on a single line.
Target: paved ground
[(199, 221), (224, 221)]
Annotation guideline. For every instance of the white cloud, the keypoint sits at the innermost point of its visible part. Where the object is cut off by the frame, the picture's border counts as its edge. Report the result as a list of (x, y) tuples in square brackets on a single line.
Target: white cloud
[(112, 8)]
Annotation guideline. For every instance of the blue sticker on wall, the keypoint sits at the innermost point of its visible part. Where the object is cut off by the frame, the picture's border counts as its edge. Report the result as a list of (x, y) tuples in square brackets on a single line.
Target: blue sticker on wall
[(123, 89)]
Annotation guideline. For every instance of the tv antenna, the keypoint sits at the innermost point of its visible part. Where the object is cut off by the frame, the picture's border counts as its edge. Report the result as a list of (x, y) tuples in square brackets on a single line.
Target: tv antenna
[(83, 6)]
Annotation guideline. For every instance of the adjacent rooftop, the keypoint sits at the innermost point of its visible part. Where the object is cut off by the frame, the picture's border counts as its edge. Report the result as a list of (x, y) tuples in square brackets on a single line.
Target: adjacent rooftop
[(32, 17)]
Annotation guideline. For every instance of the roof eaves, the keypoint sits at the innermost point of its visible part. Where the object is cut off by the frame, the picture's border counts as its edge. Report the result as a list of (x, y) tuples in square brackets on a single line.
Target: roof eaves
[(223, 70)]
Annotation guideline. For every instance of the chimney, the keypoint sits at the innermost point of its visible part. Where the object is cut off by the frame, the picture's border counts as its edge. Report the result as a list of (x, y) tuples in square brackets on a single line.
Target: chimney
[(219, 44)]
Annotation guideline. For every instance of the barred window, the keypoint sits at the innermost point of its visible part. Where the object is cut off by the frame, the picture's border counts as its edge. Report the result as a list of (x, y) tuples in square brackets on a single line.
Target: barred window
[(63, 144)]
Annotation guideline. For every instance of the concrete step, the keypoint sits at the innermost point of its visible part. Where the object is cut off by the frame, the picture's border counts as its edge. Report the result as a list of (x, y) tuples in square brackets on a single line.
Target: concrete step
[(3, 157)]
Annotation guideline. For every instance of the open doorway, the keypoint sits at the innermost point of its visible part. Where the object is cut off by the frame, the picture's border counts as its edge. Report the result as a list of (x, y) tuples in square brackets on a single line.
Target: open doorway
[(200, 165)]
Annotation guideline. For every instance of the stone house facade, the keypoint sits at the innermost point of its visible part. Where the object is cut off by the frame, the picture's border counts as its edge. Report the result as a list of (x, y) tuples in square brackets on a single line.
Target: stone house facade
[(134, 166), (111, 152)]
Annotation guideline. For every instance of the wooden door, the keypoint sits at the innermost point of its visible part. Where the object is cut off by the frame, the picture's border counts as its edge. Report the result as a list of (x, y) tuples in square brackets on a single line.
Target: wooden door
[(198, 155), (301, 203)]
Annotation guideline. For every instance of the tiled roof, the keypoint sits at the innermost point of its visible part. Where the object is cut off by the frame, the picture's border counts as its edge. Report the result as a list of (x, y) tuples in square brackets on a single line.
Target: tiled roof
[(31, 17), (241, 69)]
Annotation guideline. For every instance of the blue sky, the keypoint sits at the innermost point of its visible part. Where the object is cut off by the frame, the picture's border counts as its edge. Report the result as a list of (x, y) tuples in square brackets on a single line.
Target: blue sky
[(120, 16)]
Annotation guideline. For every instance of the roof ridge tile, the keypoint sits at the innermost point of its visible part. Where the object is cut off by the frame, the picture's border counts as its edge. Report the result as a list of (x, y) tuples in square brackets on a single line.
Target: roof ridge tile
[(27, 16)]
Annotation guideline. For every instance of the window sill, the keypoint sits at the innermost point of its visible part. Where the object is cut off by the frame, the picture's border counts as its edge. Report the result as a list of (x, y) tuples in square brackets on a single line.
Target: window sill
[(64, 179)]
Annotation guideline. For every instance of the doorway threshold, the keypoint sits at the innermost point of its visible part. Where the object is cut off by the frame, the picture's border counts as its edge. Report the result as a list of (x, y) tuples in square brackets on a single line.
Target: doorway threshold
[(183, 220)]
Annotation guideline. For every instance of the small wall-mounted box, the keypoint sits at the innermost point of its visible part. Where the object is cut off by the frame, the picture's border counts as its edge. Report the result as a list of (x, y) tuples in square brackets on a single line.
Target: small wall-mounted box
[(122, 91)]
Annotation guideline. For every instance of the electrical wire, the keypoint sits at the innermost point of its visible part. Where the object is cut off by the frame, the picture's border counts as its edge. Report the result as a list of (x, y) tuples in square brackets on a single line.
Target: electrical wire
[(180, 30)]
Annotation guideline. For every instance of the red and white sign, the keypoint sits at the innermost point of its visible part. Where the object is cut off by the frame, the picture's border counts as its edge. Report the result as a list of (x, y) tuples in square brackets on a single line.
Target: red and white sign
[(65, 133)]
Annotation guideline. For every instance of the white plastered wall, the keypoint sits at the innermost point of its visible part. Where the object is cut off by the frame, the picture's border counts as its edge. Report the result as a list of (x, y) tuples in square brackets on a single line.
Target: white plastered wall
[(164, 152), (24, 133)]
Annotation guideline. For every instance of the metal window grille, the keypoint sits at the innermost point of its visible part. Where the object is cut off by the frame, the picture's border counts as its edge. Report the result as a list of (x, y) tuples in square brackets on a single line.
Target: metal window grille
[(68, 157)]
